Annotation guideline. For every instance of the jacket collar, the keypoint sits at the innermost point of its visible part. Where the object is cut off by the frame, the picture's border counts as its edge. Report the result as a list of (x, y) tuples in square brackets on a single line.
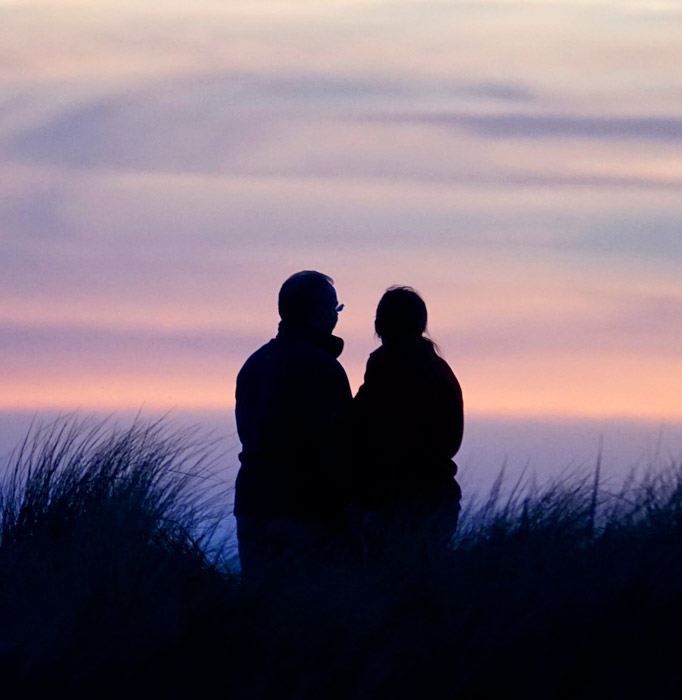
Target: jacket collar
[(411, 344), (331, 344)]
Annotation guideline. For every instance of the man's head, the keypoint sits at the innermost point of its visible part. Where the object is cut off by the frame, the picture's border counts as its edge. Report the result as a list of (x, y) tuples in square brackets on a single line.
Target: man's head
[(308, 300)]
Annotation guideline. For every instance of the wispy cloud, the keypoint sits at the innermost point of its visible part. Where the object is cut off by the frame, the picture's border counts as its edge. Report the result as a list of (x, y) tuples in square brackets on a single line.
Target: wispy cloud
[(553, 126), (203, 123)]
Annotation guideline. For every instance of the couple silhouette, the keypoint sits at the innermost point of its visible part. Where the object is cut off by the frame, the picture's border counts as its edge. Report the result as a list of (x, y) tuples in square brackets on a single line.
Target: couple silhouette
[(318, 463)]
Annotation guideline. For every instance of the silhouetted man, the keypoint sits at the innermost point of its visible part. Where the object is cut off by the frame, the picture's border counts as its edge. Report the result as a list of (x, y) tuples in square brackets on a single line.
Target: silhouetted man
[(289, 396)]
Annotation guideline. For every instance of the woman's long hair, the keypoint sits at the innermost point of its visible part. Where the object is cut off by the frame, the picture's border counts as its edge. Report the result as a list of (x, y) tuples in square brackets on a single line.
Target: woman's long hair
[(402, 315)]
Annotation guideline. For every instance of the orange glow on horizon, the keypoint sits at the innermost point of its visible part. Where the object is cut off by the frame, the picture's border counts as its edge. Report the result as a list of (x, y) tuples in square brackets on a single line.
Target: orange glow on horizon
[(543, 388)]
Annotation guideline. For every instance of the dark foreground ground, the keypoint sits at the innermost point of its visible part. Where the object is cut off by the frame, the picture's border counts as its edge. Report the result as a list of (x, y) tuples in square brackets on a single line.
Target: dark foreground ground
[(114, 585)]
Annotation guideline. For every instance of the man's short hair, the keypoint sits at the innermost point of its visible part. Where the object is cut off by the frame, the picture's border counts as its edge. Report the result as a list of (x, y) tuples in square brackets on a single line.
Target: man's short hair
[(301, 294)]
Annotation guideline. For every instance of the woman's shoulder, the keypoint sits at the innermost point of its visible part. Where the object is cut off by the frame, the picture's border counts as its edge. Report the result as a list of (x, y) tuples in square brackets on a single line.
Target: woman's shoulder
[(420, 353), (377, 361)]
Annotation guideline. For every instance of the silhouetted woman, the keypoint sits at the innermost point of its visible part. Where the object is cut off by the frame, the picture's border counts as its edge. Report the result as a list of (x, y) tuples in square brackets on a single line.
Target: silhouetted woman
[(408, 422)]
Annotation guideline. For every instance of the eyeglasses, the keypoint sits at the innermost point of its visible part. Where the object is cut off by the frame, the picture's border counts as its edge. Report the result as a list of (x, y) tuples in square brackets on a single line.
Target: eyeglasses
[(339, 308)]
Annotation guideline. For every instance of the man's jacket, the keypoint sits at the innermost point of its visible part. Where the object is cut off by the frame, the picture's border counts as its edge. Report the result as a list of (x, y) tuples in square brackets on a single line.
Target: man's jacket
[(290, 394)]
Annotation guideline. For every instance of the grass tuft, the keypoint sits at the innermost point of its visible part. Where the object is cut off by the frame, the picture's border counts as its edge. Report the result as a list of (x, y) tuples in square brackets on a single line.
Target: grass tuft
[(114, 582)]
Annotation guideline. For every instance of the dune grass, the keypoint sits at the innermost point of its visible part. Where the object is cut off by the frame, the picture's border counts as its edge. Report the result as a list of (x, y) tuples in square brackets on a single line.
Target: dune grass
[(105, 552), (114, 583)]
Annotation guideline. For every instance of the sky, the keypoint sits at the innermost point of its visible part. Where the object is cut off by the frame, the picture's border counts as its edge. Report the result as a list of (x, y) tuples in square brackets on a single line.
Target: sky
[(166, 164)]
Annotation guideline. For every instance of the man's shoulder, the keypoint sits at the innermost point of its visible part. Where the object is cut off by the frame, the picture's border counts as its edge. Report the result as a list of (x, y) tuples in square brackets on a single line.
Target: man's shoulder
[(315, 361), (304, 352), (294, 355), (259, 357)]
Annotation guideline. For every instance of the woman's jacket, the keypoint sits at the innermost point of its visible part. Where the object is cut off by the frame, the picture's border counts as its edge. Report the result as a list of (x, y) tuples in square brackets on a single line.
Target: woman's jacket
[(407, 422)]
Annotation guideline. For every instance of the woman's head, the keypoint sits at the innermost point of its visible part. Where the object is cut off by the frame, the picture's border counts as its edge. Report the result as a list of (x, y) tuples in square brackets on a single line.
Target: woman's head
[(401, 314)]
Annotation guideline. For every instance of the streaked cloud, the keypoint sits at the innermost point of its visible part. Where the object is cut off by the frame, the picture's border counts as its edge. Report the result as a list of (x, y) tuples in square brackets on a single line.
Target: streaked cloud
[(553, 126), (207, 122)]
